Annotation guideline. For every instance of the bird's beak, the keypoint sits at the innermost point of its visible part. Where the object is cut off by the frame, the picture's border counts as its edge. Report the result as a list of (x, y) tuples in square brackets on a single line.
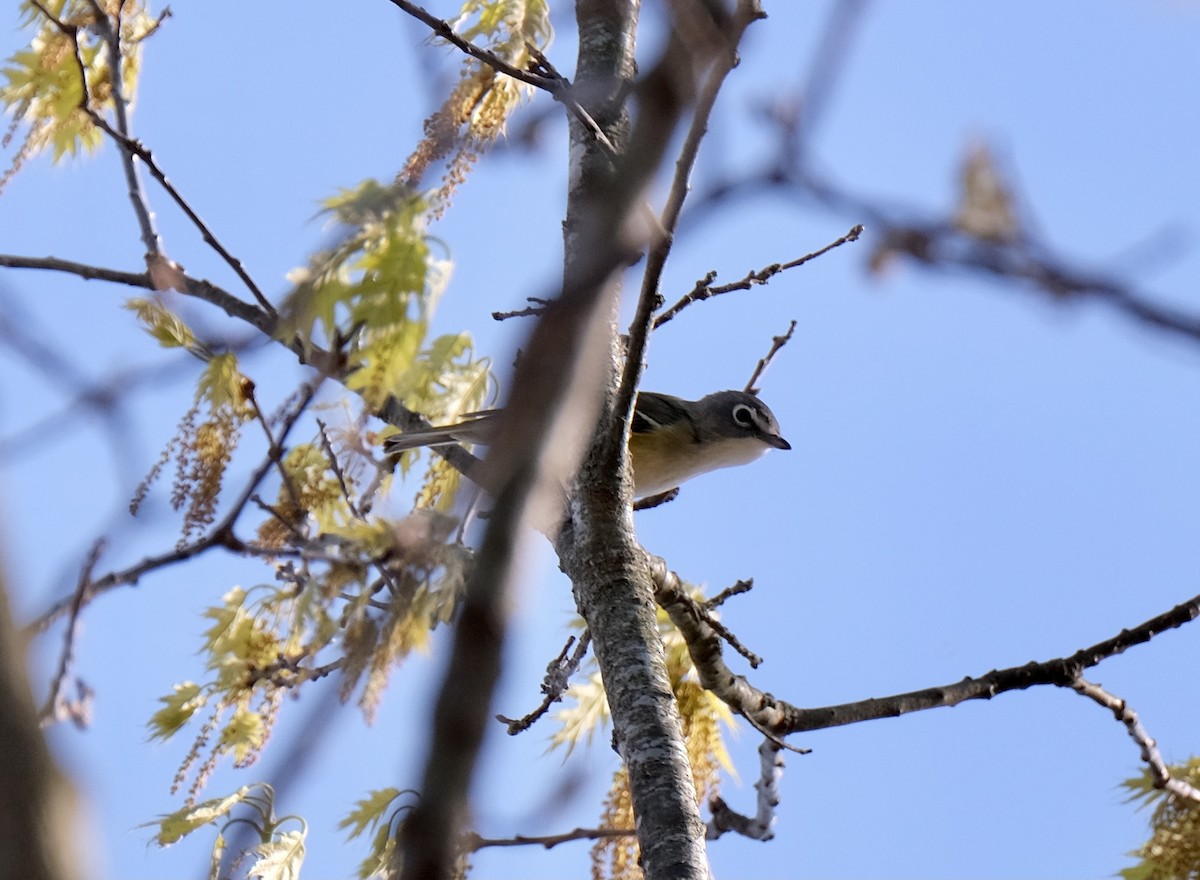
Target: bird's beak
[(776, 441)]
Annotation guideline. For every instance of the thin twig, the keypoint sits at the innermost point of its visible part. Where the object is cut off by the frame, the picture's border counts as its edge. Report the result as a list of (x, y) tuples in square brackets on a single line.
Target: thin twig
[(742, 586), (472, 842), (554, 685), (563, 93), (545, 77), (704, 288), (221, 535), (549, 81), (442, 28), (1149, 748), (196, 287), (537, 307), (649, 298), (55, 705), (761, 825), (777, 342), (273, 511), (110, 32), (275, 450), (706, 614), (336, 467), (130, 148)]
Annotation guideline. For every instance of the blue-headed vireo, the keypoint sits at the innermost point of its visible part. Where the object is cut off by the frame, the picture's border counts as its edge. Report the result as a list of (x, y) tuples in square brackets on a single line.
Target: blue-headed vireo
[(671, 439)]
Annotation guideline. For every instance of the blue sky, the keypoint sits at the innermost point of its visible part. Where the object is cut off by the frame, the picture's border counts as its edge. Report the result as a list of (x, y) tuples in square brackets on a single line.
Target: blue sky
[(979, 477)]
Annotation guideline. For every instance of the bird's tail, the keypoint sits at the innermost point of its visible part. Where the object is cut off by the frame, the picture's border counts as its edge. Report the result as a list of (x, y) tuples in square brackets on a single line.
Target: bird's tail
[(475, 428)]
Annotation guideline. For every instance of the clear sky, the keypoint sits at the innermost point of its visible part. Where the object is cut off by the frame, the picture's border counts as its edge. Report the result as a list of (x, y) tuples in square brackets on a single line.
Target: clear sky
[(979, 477)]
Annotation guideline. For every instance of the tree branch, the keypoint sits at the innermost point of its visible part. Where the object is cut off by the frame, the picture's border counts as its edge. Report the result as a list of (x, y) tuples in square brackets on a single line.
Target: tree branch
[(131, 148), (650, 298), (56, 708), (221, 535), (554, 685), (472, 842), (198, 288), (443, 29), (1149, 748), (704, 288), (777, 342), (780, 718), (760, 826)]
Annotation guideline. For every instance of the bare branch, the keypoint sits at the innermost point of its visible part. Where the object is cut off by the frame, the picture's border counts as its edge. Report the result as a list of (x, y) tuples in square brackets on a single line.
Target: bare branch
[(196, 287), (554, 685), (110, 32), (1149, 748), (650, 297), (336, 467), (472, 842), (56, 708), (780, 717), (537, 306), (777, 342), (742, 586), (442, 28), (544, 77), (565, 95), (704, 288), (761, 826), (704, 611)]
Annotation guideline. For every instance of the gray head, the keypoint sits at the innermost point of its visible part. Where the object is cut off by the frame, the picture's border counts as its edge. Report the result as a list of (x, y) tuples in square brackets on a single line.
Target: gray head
[(739, 414)]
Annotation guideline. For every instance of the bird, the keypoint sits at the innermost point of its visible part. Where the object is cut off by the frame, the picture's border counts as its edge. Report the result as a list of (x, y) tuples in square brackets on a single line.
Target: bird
[(671, 439)]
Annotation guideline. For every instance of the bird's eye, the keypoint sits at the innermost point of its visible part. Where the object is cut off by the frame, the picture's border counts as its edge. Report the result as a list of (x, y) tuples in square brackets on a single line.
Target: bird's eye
[(743, 415)]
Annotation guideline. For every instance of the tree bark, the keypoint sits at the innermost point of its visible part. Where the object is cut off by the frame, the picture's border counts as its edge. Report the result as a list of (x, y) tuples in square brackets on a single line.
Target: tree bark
[(599, 550)]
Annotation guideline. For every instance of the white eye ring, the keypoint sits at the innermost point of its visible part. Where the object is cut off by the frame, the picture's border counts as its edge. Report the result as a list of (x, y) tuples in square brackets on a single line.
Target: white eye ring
[(743, 415)]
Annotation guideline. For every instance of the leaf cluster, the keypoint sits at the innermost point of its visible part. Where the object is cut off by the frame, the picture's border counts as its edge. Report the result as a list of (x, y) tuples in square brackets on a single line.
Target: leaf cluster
[(50, 86), (477, 109), (1173, 850), (278, 854)]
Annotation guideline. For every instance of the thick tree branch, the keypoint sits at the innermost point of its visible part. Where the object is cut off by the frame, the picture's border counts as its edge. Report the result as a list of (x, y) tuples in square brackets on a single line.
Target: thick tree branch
[(556, 384), (781, 718)]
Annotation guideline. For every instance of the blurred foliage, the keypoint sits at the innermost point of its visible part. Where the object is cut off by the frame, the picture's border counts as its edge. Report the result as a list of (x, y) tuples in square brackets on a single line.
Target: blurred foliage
[(278, 854), (1173, 850), (45, 83), (380, 813), (477, 109)]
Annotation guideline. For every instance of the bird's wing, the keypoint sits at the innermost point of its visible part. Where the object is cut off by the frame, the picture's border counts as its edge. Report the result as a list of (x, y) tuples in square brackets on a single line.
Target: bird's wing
[(654, 410)]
